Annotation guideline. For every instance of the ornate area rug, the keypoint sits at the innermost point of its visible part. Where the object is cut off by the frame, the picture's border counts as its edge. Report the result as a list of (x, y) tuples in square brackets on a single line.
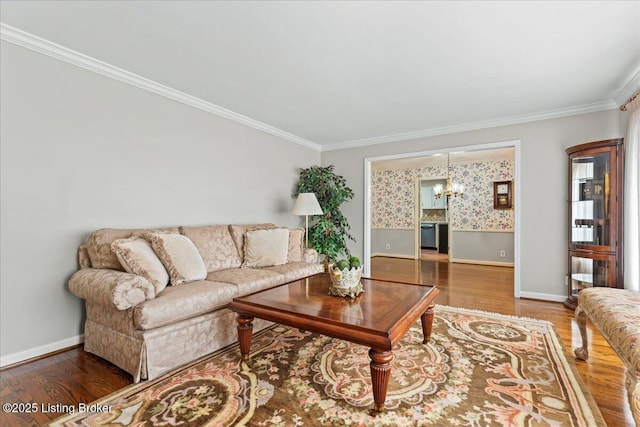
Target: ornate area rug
[(480, 369)]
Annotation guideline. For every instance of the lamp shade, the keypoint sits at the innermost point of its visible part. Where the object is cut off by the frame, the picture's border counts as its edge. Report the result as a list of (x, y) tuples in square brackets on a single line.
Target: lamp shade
[(307, 204)]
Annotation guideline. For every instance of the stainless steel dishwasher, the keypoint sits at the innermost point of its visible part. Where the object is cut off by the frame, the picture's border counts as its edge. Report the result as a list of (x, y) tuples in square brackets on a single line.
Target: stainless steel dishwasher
[(428, 235)]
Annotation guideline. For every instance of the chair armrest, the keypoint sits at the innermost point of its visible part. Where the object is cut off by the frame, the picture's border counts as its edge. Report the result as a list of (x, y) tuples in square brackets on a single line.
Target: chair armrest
[(104, 286), (309, 255)]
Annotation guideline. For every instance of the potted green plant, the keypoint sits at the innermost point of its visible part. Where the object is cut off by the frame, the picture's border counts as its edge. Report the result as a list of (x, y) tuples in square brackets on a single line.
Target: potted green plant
[(328, 233)]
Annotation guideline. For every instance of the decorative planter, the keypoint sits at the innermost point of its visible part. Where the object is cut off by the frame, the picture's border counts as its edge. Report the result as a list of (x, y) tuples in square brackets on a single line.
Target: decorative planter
[(345, 283)]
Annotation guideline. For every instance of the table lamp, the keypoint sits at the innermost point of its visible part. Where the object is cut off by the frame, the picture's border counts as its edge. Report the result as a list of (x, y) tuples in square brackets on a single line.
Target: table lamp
[(306, 205)]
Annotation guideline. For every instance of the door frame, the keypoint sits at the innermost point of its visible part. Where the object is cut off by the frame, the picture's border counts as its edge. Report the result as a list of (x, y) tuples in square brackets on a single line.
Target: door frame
[(447, 150)]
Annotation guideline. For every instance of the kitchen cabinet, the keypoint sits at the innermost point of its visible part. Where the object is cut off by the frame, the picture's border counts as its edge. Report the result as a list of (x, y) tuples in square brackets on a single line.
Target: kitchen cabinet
[(426, 196), (428, 199), (595, 217)]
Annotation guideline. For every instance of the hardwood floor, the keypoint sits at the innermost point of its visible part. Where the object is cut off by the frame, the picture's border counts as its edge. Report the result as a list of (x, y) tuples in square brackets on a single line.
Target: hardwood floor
[(66, 378), (73, 377), (432, 255), (491, 289)]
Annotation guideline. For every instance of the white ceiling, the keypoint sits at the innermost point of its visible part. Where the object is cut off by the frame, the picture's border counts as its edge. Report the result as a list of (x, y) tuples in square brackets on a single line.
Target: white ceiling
[(337, 74)]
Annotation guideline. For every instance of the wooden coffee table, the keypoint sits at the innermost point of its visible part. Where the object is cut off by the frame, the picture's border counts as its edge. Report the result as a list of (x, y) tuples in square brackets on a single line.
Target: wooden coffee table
[(377, 318)]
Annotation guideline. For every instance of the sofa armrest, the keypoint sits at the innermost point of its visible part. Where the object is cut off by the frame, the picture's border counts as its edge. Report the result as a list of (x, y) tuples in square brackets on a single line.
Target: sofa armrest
[(309, 255), (104, 286)]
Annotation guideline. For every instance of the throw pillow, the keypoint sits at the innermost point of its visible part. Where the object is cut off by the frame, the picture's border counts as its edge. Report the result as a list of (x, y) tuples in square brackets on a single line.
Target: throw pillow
[(137, 257), (179, 256), (264, 248), (237, 233), (99, 244), (296, 239), (99, 247)]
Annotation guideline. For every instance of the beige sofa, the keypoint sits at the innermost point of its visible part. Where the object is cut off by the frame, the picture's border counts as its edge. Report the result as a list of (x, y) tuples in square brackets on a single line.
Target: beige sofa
[(156, 298)]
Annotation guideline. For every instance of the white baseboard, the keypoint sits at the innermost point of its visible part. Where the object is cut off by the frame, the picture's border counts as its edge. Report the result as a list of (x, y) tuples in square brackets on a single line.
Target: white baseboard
[(39, 351), (470, 261), (543, 297), (383, 254)]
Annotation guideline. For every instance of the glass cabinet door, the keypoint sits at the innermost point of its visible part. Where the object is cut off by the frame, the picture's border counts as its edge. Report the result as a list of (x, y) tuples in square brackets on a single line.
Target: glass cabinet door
[(590, 194), (590, 272)]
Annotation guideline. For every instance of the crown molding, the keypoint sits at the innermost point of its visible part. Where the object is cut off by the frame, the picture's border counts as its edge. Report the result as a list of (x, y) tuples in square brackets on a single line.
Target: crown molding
[(627, 91), (523, 118), (46, 47)]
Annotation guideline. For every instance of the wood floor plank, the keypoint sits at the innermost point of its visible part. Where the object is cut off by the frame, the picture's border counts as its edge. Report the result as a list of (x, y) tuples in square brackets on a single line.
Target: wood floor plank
[(74, 376)]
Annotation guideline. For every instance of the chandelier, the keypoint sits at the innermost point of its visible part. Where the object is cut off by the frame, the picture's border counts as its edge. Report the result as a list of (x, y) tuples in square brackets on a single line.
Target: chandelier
[(452, 189)]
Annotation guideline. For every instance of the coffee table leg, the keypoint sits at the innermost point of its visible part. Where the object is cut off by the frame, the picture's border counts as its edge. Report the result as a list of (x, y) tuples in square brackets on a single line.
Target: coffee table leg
[(245, 329), (427, 323), (380, 372)]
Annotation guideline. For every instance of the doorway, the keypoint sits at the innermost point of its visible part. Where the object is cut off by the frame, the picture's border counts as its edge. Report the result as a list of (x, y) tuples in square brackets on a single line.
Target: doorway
[(432, 219), (450, 162)]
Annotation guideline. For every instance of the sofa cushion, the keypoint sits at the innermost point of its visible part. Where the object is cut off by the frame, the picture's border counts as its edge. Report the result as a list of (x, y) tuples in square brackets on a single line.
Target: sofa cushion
[(248, 280), (237, 234), (179, 256), (177, 303), (296, 244), (264, 248), (99, 245), (215, 245), (296, 270), (136, 256)]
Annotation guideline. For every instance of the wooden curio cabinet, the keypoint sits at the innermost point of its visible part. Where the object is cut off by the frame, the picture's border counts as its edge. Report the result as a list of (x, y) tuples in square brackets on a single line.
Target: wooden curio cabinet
[(595, 217)]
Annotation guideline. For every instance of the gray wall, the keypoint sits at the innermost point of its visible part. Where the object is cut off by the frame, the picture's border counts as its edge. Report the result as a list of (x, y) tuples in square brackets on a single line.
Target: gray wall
[(542, 194), (401, 242), (465, 246), (80, 151), (484, 246)]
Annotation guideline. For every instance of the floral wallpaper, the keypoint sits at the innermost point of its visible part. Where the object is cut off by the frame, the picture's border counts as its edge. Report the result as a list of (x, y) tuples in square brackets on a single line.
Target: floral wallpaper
[(393, 196)]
